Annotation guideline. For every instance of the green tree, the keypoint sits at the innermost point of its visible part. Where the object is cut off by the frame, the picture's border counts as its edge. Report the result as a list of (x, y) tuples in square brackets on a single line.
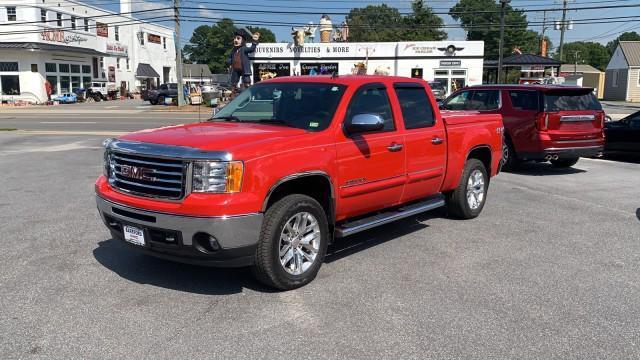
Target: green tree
[(628, 36), (481, 20), (211, 45), (378, 23), (591, 53)]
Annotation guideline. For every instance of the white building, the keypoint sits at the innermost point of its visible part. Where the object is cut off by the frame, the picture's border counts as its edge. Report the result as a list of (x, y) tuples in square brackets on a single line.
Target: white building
[(622, 80), (72, 44), (453, 63)]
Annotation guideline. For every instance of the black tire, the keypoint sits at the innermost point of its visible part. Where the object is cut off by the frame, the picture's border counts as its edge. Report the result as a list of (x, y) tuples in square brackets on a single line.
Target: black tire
[(510, 159), (161, 100), (564, 163), (153, 102), (267, 268), (457, 203)]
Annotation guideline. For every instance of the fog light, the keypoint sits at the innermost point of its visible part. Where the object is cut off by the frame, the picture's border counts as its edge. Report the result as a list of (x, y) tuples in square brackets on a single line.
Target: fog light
[(206, 243)]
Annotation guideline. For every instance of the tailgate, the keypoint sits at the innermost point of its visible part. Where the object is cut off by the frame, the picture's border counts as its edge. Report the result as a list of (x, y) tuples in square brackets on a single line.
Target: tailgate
[(573, 114)]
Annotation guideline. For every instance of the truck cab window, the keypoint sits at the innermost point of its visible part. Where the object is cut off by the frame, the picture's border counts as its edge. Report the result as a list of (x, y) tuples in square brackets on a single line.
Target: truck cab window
[(372, 100), (416, 107)]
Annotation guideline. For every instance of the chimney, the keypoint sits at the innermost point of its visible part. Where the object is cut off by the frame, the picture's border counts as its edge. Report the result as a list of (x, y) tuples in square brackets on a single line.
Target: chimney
[(125, 7)]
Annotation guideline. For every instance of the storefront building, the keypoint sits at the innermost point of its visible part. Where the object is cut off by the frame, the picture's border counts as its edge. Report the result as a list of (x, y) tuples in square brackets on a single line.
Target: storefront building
[(455, 64), (75, 45)]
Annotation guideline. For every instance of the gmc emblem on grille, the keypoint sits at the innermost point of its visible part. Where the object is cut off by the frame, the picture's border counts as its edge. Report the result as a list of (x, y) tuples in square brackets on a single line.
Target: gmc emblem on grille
[(137, 172)]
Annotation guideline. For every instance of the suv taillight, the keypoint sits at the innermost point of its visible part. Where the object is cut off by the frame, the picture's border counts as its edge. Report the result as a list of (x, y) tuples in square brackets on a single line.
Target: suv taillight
[(600, 120), (542, 121)]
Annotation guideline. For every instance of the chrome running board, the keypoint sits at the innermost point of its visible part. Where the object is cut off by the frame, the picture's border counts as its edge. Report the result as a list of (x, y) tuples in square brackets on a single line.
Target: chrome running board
[(354, 227)]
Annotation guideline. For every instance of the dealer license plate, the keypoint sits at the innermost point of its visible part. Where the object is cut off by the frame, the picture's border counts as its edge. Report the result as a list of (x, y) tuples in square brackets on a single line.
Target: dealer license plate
[(134, 235)]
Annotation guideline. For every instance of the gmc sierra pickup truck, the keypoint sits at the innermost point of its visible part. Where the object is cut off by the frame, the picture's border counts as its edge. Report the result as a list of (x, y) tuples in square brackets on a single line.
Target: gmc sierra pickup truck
[(290, 165)]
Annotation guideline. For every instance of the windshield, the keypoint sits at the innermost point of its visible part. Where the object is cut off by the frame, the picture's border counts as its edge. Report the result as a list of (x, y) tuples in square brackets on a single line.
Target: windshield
[(567, 101), (308, 106)]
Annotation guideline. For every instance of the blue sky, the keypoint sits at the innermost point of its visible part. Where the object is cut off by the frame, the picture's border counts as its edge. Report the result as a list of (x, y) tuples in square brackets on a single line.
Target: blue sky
[(592, 32)]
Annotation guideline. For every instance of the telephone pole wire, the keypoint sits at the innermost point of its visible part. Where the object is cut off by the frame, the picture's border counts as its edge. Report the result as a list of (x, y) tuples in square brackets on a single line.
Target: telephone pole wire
[(176, 14), (563, 26)]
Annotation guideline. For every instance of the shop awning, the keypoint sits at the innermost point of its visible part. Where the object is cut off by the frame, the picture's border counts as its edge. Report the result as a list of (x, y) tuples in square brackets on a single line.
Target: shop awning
[(49, 47), (146, 71)]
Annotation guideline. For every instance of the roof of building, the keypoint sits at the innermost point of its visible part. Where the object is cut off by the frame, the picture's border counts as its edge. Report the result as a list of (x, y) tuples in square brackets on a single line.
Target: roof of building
[(530, 59), (631, 51), (195, 70), (581, 68), (50, 47), (146, 71)]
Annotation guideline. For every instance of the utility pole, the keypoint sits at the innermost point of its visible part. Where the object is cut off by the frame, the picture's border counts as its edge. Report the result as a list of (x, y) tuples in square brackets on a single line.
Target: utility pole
[(176, 14), (563, 26), (575, 67), (503, 5), (542, 39)]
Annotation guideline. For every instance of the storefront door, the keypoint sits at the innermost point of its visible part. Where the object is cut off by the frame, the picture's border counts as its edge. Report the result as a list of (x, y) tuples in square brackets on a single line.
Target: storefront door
[(451, 79)]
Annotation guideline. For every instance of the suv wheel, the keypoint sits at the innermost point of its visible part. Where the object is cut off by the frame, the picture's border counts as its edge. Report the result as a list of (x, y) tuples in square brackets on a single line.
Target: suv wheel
[(161, 100), (293, 243), (509, 158), (469, 197), (564, 163)]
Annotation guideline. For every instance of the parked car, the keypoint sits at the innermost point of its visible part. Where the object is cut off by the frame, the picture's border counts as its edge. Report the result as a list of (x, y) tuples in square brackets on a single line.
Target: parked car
[(98, 91), (438, 90), (551, 123), (623, 135), (157, 96), (289, 165), (66, 98)]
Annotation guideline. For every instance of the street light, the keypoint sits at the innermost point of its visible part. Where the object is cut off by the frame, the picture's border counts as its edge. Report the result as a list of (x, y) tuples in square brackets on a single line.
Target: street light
[(503, 5)]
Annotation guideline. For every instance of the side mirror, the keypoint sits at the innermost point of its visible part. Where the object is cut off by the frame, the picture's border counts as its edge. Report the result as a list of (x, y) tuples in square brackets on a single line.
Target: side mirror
[(362, 123)]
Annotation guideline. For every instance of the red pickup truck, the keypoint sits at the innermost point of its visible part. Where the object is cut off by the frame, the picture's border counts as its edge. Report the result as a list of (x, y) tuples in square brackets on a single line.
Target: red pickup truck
[(290, 165)]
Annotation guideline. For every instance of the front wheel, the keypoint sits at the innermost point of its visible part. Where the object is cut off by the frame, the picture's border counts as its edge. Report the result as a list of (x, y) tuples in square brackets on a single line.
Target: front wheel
[(161, 100), (293, 243), (469, 197), (564, 163)]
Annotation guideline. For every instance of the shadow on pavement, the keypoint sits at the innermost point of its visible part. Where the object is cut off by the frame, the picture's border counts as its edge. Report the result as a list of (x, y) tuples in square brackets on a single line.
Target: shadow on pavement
[(544, 169), (342, 248), (638, 213), (144, 269), (623, 157)]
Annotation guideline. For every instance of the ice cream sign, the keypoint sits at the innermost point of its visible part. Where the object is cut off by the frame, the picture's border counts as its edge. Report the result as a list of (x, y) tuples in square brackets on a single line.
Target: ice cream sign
[(117, 49), (59, 36)]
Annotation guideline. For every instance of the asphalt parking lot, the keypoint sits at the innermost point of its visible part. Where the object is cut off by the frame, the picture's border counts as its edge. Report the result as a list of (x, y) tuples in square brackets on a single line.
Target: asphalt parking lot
[(551, 269)]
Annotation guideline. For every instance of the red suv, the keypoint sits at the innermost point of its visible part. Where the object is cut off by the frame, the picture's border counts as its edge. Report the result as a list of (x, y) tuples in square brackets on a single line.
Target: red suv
[(552, 123)]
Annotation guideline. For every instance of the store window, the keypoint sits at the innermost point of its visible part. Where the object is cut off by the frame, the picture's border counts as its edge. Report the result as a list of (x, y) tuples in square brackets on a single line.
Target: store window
[(141, 37), (128, 64), (11, 13), (452, 80), (73, 23), (34, 68), (53, 80), (118, 63), (86, 25), (43, 16), (75, 82), (95, 67), (86, 82), (64, 68), (8, 66), (65, 84), (164, 43), (86, 69), (101, 62), (9, 84), (59, 19), (50, 67), (116, 33), (75, 68)]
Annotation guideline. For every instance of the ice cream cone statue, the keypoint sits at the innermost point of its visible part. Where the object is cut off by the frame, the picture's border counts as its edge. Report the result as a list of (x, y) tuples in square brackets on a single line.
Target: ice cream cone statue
[(325, 29)]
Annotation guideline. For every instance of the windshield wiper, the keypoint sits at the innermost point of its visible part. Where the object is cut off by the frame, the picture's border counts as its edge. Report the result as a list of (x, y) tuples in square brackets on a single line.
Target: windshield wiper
[(226, 118)]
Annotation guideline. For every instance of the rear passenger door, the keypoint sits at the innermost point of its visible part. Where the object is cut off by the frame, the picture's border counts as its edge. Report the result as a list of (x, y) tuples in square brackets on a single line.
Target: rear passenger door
[(520, 118), (425, 142)]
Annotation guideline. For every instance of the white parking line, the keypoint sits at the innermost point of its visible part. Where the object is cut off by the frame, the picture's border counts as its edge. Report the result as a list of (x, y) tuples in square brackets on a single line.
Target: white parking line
[(68, 122)]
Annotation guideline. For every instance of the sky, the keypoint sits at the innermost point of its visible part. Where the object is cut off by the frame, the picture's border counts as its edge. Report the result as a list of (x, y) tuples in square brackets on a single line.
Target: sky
[(603, 32)]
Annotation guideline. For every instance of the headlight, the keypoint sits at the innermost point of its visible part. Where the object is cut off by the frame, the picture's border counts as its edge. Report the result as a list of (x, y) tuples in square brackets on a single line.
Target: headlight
[(106, 158), (217, 176)]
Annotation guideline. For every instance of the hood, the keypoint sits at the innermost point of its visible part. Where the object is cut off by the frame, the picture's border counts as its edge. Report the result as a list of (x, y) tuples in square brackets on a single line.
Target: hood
[(242, 140)]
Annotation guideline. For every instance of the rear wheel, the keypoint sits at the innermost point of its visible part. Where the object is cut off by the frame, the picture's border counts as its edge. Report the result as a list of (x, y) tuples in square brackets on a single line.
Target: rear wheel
[(161, 100), (564, 163), (509, 159), (293, 243), (469, 197)]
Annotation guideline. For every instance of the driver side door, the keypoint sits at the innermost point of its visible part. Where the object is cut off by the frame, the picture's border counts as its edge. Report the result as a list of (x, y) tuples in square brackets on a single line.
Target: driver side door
[(371, 165)]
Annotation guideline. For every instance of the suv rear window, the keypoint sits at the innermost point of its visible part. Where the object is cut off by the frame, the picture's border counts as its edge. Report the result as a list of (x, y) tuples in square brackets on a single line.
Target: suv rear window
[(567, 101), (524, 99)]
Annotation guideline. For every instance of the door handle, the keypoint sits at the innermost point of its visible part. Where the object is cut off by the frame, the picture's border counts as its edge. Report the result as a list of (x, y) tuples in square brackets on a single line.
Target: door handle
[(394, 147), (436, 141)]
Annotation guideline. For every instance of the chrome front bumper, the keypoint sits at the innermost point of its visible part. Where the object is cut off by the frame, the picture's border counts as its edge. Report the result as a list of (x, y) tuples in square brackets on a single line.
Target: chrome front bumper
[(237, 235)]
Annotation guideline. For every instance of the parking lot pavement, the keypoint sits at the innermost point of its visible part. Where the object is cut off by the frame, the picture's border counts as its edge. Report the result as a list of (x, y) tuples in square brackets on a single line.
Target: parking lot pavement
[(549, 270)]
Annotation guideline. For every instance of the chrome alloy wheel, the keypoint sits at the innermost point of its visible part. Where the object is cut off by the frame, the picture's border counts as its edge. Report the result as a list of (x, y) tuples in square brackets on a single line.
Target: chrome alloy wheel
[(475, 189), (299, 243), (505, 153)]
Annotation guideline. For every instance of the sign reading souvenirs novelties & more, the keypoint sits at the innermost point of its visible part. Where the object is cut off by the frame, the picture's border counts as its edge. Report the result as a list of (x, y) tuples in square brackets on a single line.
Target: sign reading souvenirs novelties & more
[(318, 68), (265, 71)]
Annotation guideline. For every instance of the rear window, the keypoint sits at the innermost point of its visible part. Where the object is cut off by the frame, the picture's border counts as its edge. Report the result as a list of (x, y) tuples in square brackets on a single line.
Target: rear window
[(571, 101), (524, 100)]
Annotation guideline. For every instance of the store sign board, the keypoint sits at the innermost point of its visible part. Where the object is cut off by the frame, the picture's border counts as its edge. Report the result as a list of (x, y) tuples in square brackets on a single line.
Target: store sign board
[(111, 77), (117, 49), (264, 71), (450, 63), (60, 37), (153, 38), (277, 50), (102, 30), (318, 68)]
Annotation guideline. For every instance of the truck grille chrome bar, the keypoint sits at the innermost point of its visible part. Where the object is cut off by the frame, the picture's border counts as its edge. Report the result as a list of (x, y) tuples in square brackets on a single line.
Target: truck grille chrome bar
[(148, 176)]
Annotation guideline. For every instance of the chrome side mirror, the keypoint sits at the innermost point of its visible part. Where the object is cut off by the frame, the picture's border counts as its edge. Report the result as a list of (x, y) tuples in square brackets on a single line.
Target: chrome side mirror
[(362, 123)]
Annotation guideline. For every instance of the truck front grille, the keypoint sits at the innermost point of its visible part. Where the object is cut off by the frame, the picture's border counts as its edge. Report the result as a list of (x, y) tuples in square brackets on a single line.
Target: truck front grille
[(147, 176)]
